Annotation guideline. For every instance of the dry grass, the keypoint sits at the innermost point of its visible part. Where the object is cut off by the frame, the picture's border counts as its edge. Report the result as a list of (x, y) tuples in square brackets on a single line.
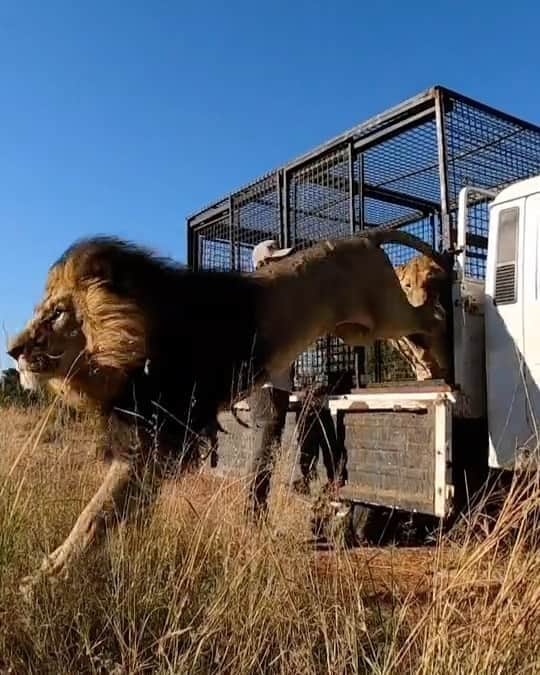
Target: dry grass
[(195, 590)]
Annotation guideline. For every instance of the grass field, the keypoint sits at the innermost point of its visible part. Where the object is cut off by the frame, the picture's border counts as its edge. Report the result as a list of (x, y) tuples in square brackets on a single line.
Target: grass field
[(195, 590)]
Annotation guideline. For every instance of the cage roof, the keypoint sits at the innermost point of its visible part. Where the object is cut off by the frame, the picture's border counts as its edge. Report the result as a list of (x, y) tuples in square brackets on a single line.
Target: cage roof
[(479, 136)]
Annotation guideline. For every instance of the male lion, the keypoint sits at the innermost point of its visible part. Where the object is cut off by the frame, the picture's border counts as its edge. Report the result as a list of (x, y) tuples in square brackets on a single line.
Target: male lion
[(156, 349), (424, 281)]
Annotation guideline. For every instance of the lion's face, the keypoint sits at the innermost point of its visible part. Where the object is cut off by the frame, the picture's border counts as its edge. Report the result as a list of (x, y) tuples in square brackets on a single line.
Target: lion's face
[(51, 343), (89, 331), (421, 278)]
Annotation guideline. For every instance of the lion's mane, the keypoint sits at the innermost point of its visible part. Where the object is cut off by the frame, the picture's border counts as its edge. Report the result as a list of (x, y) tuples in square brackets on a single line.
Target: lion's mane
[(165, 346)]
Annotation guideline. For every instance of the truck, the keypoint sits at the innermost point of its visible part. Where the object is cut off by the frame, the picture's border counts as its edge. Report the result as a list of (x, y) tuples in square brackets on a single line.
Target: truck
[(465, 177)]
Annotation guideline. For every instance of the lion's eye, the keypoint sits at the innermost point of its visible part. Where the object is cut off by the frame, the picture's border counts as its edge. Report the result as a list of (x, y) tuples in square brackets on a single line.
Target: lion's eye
[(57, 314)]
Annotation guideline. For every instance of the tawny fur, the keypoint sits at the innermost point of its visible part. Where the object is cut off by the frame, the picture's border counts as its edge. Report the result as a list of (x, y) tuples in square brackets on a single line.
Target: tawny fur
[(344, 287)]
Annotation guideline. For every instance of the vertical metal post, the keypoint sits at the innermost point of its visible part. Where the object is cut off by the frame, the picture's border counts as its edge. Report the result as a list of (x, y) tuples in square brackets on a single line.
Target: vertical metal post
[(352, 188), (190, 244), (433, 232), (448, 232), (361, 209), (231, 233), (357, 222), (286, 225), (447, 237), (279, 188)]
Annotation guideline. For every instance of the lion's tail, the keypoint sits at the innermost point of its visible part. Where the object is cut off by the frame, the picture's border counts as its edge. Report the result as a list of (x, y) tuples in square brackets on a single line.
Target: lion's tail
[(406, 238)]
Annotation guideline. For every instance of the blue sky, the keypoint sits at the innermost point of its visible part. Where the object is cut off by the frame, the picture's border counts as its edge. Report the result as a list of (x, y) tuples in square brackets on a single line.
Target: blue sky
[(124, 117)]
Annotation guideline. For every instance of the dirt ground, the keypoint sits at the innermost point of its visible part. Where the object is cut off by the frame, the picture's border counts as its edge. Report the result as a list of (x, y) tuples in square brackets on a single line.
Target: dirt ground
[(382, 569)]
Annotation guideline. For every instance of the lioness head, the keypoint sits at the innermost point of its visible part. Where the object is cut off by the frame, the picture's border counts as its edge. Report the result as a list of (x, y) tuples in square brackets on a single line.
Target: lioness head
[(421, 278)]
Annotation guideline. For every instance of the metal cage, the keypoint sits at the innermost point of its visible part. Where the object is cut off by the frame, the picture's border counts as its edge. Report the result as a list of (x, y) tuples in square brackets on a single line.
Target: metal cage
[(403, 169)]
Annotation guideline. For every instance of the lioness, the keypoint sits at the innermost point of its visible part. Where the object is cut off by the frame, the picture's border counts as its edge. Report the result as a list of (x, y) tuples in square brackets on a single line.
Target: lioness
[(156, 349), (423, 280)]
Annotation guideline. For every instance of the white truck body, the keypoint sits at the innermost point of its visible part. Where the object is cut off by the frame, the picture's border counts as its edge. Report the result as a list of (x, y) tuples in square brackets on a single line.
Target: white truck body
[(512, 320), (497, 324)]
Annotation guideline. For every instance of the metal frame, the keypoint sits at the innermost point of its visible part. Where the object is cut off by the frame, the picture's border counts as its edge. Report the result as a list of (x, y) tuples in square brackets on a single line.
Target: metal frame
[(446, 233), (403, 168), (417, 401)]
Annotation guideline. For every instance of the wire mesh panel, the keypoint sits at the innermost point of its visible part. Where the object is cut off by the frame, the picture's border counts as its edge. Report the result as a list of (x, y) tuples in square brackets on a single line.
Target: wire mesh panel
[(327, 363), (379, 213), (244, 257), (476, 253), (319, 199), (255, 218), (214, 245), (485, 149), (400, 189), (424, 229), (407, 163)]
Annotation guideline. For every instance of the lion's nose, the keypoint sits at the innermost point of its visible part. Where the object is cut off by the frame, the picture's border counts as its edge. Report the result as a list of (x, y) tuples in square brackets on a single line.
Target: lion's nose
[(15, 350)]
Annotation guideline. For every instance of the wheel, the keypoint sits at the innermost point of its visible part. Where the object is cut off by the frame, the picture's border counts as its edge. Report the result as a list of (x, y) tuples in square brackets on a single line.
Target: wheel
[(330, 522), (351, 524), (373, 525), (347, 524)]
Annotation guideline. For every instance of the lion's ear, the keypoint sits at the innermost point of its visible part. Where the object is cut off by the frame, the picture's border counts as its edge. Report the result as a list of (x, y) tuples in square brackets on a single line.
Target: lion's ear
[(102, 268), (93, 266), (108, 263), (97, 270), (103, 271)]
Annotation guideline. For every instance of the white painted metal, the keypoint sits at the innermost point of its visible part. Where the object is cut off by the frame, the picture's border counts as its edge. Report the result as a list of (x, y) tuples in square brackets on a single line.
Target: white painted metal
[(513, 375), (468, 318), (518, 190), (390, 400), (531, 317), (462, 224), (444, 489)]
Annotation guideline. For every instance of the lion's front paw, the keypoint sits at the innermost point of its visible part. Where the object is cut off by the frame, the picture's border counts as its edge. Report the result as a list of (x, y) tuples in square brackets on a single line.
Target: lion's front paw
[(28, 585), (53, 568)]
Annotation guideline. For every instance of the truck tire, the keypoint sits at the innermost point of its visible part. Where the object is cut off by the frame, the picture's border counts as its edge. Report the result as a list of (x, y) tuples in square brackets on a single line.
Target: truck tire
[(349, 524)]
